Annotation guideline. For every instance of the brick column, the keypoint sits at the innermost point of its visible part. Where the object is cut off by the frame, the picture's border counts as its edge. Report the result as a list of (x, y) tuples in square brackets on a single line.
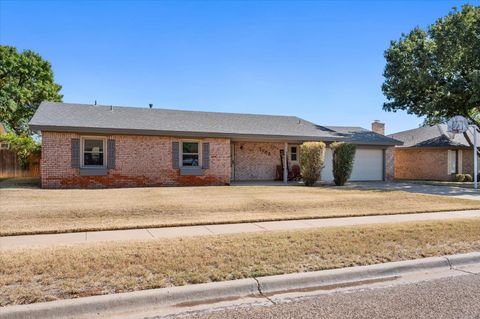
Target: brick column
[(389, 174)]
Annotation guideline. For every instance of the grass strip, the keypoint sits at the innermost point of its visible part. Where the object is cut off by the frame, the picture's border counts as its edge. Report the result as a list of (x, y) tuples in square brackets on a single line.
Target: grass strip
[(37, 211), (36, 275)]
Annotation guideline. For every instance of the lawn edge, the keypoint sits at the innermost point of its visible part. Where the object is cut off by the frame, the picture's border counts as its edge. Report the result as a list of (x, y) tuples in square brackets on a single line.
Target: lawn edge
[(220, 222), (259, 287)]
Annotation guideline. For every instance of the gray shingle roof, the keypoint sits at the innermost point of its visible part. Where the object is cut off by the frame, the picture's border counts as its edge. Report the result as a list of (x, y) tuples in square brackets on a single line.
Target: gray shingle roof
[(433, 136), (71, 117), (359, 135)]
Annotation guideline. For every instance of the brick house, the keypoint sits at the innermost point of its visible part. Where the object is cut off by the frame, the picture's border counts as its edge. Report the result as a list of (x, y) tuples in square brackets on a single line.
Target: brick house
[(87, 146), (431, 153)]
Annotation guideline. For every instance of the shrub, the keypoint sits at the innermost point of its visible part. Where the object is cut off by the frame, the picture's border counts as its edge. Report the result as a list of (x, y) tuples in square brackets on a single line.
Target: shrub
[(459, 177), (343, 156), (468, 178), (312, 159), (23, 146)]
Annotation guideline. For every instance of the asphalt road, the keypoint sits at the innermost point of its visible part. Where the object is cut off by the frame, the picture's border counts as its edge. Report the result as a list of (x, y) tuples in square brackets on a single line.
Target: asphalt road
[(450, 297)]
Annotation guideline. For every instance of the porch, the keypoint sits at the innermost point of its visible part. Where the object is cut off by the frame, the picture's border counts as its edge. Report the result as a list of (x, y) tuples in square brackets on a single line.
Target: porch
[(264, 161)]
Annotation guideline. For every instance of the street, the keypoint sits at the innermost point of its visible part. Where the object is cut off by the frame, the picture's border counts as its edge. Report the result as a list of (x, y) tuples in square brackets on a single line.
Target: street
[(446, 297)]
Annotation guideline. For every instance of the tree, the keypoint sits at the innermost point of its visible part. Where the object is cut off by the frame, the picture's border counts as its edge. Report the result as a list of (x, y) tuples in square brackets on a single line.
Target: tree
[(436, 73), (25, 81)]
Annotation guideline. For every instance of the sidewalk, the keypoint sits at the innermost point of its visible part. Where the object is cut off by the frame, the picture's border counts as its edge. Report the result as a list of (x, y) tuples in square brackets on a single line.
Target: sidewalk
[(11, 242)]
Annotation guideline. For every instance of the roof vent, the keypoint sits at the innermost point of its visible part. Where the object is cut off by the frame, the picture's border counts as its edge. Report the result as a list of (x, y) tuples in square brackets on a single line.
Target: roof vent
[(150, 105)]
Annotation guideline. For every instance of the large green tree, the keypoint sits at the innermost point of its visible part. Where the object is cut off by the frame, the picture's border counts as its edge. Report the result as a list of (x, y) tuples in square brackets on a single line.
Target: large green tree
[(26, 80), (436, 72)]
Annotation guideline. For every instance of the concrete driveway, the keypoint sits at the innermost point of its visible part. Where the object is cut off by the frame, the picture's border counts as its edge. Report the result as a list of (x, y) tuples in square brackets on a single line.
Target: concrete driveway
[(453, 191)]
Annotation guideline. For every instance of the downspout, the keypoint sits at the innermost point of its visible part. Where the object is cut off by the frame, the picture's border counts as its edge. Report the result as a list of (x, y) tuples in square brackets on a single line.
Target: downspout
[(285, 168)]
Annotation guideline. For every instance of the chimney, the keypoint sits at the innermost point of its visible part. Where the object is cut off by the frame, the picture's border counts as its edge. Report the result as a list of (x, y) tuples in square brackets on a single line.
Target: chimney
[(378, 127)]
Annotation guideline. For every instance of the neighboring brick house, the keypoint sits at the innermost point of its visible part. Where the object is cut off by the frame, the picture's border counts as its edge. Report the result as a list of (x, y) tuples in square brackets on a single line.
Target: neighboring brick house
[(87, 146), (431, 153)]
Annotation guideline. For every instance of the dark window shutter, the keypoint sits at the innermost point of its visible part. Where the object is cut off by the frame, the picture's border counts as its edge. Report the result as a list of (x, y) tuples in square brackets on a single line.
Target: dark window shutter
[(111, 154), (175, 155), (206, 155), (75, 152)]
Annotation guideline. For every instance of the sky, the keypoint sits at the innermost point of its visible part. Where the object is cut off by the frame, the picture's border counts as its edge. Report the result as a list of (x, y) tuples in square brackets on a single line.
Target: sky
[(319, 60)]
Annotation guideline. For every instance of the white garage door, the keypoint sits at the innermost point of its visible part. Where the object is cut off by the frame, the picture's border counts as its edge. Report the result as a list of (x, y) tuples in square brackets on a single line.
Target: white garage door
[(368, 165)]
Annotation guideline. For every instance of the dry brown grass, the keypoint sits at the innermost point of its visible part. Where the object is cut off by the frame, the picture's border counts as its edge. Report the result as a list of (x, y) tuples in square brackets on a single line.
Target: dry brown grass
[(29, 211), (35, 275)]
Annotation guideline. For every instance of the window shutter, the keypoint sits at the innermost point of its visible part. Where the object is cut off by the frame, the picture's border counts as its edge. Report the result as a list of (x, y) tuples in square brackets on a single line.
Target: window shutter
[(75, 153), (206, 155), (175, 155), (111, 154)]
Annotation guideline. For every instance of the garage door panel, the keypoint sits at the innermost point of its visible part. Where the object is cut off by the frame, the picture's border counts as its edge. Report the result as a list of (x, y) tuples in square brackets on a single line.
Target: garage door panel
[(367, 166)]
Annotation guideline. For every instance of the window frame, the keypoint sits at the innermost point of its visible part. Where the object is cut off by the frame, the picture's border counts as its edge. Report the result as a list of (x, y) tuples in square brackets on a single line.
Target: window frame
[(82, 151), (452, 158), (296, 153), (200, 152)]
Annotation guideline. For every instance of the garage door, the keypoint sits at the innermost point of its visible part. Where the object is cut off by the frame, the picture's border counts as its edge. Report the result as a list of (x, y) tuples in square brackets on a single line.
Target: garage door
[(368, 165)]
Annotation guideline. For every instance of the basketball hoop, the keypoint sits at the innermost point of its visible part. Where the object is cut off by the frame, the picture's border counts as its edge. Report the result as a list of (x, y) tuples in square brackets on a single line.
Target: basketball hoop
[(459, 125)]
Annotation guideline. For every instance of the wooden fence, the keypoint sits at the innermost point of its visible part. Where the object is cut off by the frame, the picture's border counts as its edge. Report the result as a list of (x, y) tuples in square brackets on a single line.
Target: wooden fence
[(9, 166)]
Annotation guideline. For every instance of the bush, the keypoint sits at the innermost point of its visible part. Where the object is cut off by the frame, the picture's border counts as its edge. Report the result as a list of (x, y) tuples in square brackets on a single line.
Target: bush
[(459, 177), (312, 160), (468, 178), (343, 156)]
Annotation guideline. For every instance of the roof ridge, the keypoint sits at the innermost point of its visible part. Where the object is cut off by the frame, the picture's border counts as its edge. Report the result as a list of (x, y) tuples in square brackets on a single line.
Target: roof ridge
[(172, 110)]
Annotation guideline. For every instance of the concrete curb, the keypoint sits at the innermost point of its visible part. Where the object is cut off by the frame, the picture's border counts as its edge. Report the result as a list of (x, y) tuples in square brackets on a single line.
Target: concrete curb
[(463, 259), (273, 284), (99, 306)]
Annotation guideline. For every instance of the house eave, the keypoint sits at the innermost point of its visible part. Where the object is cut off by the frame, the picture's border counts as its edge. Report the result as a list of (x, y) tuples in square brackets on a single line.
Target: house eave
[(232, 136), (451, 147)]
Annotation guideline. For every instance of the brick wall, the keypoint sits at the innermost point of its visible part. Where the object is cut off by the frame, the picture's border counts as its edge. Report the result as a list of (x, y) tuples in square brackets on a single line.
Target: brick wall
[(421, 164), (389, 174), (258, 161), (140, 161), (467, 162)]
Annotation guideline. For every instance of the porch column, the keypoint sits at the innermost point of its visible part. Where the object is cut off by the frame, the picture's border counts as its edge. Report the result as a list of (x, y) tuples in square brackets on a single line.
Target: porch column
[(285, 168)]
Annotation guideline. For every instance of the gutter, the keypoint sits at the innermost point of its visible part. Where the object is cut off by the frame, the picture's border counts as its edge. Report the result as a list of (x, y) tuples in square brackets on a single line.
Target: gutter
[(236, 136), (232, 136)]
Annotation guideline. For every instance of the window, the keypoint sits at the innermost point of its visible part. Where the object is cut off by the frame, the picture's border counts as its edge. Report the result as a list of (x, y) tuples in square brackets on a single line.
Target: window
[(4, 146), (293, 153), (452, 162), (93, 150), (190, 154)]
